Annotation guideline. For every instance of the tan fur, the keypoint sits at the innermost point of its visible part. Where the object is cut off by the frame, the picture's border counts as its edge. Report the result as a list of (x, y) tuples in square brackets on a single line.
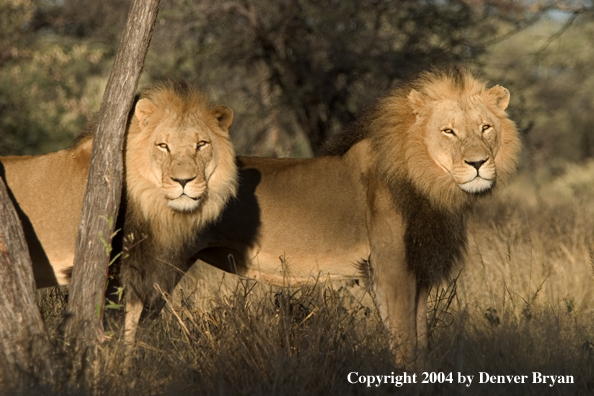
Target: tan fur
[(387, 205), (48, 189)]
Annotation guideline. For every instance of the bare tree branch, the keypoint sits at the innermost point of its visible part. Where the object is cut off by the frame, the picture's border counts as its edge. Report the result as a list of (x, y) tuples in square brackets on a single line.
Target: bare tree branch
[(103, 194), (557, 34)]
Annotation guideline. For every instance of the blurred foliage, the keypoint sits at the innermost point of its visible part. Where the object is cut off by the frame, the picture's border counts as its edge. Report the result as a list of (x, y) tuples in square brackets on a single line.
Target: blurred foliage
[(548, 69), (50, 84), (298, 71)]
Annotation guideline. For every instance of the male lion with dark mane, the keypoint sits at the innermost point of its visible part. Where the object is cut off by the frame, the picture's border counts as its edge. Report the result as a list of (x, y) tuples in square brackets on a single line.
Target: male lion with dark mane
[(388, 203), (180, 173)]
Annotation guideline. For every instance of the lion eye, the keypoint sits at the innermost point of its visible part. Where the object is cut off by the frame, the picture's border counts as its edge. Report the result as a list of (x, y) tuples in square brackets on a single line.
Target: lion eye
[(201, 144), (486, 126), (163, 146), (448, 131)]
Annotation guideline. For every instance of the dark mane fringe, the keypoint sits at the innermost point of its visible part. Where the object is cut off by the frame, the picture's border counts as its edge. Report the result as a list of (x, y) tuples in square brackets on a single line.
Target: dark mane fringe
[(147, 264), (85, 135), (179, 95), (341, 143), (178, 87), (89, 130), (428, 231)]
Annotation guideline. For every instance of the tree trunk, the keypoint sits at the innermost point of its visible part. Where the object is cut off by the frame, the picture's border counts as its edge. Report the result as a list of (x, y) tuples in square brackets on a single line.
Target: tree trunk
[(102, 198), (25, 351)]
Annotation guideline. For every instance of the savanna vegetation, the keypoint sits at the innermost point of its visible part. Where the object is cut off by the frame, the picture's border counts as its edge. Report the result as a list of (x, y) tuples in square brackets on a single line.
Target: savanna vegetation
[(295, 72)]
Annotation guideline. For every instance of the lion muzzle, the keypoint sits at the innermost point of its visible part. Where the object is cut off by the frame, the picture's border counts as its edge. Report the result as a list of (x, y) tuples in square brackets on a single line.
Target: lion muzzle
[(185, 195), (477, 175)]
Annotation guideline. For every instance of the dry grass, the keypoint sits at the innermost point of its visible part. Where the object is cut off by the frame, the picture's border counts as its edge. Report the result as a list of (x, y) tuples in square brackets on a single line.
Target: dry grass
[(522, 303)]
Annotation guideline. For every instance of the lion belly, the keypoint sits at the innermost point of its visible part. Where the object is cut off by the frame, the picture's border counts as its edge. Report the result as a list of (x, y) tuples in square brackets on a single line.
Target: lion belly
[(294, 218), (296, 268), (47, 192)]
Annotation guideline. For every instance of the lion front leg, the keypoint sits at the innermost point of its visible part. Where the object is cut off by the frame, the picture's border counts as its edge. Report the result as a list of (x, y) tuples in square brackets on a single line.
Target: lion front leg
[(421, 317), (133, 310), (132, 318), (403, 306)]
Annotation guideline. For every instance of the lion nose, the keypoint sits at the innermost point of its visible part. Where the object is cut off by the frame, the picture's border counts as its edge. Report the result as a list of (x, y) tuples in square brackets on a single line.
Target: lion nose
[(183, 182), (477, 164)]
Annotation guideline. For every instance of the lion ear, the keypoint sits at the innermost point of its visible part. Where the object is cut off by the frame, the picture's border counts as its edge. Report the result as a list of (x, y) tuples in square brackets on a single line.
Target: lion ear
[(144, 108), (500, 96), (417, 101), (224, 114)]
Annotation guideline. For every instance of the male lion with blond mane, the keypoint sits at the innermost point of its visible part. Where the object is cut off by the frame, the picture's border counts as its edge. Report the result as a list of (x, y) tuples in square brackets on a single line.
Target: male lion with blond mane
[(387, 204), (180, 173)]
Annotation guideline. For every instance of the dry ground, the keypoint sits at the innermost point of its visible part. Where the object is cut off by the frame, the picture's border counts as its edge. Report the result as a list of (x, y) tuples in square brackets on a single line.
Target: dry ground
[(521, 303)]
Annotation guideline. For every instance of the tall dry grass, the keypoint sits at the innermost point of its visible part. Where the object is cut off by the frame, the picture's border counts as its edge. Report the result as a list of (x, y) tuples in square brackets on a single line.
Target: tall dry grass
[(521, 303)]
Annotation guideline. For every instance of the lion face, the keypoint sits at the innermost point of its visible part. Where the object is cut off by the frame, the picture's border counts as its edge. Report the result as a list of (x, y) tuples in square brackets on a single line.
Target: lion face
[(462, 136), (180, 155), (182, 151)]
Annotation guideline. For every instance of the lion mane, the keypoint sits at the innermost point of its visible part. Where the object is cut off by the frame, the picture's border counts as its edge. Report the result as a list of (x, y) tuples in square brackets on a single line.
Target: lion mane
[(173, 227), (169, 118), (390, 124)]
